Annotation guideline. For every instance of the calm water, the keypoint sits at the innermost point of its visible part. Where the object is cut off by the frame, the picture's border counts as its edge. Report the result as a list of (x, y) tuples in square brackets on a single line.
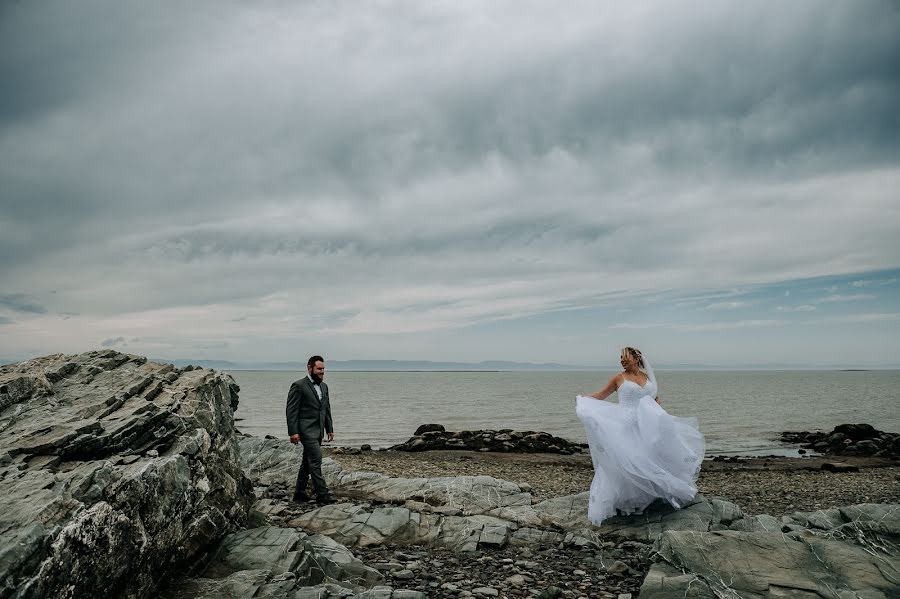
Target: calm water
[(739, 411)]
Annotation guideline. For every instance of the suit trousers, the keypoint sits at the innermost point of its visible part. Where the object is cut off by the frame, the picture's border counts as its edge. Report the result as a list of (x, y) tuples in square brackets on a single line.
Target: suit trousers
[(311, 467)]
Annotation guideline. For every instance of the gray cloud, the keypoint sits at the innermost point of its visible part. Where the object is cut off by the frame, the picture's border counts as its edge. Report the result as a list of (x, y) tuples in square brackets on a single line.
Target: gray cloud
[(453, 164), (21, 302), (114, 342)]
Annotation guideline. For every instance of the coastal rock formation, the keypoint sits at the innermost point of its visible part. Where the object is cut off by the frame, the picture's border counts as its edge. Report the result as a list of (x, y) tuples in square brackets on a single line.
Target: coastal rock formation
[(115, 473), (560, 521), (846, 552), (709, 548), (280, 562), (269, 461), (849, 440), (433, 436), (463, 513), (701, 514)]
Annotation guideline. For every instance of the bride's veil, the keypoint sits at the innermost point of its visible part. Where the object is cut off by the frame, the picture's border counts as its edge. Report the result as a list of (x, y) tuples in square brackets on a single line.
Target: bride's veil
[(649, 371)]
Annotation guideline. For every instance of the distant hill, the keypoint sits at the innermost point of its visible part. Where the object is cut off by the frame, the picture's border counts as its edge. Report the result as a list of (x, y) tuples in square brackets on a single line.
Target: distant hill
[(387, 365), (485, 366)]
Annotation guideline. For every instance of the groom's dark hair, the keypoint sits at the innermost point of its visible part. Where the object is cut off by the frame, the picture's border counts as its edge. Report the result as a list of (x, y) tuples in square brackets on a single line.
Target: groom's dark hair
[(312, 361)]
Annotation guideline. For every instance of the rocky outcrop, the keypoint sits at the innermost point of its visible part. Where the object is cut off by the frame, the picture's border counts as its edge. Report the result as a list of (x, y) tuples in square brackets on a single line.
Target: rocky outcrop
[(464, 513), (550, 525), (845, 552), (701, 514), (115, 473), (433, 436), (280, 562), (270, 461), (709, 548), (849, 440)]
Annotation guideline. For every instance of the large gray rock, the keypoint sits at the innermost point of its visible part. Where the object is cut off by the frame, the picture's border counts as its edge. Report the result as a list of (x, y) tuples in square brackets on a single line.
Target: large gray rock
[(268, 461), (284, 563), (701, 514), (846, 552), (355, 526), (115, 473)]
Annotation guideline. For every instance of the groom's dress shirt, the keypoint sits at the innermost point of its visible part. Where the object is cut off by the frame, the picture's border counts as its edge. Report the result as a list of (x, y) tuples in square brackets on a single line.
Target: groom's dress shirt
[(316, 387)]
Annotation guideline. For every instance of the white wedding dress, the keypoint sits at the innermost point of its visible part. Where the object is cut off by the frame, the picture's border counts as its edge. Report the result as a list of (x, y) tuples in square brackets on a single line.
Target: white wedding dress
[(640, 452)]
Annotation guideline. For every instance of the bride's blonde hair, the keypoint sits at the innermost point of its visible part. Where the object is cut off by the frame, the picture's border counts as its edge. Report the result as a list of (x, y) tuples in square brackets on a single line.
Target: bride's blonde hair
[(634, 353)]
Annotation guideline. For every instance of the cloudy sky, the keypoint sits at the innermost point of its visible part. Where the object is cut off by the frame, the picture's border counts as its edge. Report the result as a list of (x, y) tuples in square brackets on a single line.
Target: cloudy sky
[(714, 182)]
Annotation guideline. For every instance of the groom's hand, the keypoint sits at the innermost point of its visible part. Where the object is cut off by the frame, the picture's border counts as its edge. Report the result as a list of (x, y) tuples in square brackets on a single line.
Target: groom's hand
[(295, 439), (330, 437)]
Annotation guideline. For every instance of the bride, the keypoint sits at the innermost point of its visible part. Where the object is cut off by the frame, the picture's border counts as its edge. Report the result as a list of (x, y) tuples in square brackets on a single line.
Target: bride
[(640, 452)]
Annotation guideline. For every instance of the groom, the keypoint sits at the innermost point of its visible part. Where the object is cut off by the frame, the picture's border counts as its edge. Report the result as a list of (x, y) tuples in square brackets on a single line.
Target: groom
[(308, 418)]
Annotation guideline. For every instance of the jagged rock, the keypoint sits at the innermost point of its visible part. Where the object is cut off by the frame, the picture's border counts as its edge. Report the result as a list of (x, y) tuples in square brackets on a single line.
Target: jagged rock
[(852, 551), (105, 455), (239, 585), (268, 461), (270, 561), (433, 436)]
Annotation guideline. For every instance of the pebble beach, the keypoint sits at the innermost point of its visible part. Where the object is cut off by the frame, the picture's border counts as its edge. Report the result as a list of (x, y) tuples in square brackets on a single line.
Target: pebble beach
[(759, 485)]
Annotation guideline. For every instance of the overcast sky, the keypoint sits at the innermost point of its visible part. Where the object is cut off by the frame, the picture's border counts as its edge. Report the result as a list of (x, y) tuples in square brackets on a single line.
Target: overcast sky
[(714, 182)]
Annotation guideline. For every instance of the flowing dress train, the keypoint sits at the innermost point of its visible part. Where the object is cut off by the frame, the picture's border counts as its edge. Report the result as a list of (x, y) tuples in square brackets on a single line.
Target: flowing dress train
[(640, 452)]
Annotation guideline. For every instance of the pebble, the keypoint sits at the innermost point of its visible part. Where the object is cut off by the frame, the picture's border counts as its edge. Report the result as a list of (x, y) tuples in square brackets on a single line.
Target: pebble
[(404, 574), (486, 591)]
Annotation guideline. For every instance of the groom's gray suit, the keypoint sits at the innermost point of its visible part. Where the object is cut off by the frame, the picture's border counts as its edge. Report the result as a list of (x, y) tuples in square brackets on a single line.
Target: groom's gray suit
[(309, 417)]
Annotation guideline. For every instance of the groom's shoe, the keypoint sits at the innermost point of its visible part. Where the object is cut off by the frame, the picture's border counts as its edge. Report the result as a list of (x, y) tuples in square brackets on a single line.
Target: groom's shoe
[(301, 498), (326, 500)]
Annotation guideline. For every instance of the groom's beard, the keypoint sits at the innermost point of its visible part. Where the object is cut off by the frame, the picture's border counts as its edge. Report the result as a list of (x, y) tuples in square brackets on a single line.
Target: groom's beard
[(316, 379)]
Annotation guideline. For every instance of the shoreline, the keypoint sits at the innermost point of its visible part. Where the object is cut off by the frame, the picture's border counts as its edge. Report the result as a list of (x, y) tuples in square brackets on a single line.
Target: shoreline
[(758, 485)]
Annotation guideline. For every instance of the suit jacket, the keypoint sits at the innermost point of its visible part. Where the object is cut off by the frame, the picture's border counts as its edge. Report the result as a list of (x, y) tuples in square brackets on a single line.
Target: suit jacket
[(307, 416)]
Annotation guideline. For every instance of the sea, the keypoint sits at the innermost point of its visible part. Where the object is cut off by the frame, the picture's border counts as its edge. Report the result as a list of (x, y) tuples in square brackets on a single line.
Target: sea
[(740, 412)]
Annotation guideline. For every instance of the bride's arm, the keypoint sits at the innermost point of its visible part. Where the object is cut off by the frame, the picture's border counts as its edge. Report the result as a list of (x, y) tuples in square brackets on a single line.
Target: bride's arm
[(608, 390)]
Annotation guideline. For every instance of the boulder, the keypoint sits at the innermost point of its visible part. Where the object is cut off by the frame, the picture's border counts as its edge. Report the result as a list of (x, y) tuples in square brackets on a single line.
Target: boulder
[(429, 428), (856, 432), (848, 439), (852, 551), (701, 514), (115, 473), (433, 436)]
